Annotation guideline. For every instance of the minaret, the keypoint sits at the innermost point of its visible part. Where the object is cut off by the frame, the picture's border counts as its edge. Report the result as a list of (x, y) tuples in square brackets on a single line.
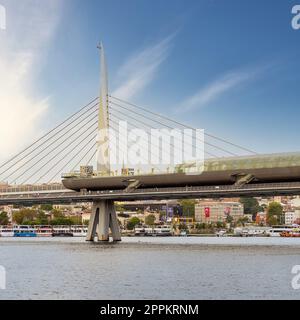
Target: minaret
[(103, 159)]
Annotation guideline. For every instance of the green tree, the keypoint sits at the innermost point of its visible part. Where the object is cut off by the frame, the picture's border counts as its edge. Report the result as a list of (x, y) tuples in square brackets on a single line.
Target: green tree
[(41, 218), (251, 206), (46, 207), (4, 220), (61, 221), (200, 226), (182, 226), (221, 224), (274, 210), (119, 207), (188, 207), (24, 216), (272, 220), (76, 220), (132, 223), (150, 220), (57, 213), (242, 221)]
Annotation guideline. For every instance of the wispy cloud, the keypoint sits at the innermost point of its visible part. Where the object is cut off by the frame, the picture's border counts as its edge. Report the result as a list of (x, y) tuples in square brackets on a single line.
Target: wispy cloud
[(30, 27), (214, 90), (140, 69)]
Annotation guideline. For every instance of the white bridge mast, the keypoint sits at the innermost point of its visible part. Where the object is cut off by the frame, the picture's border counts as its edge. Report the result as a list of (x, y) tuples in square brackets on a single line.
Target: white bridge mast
[(103, 158), (103, 215)]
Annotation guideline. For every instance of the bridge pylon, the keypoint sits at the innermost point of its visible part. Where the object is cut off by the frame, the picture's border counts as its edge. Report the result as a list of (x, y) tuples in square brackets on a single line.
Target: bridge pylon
[(103, 215), (102, 219)]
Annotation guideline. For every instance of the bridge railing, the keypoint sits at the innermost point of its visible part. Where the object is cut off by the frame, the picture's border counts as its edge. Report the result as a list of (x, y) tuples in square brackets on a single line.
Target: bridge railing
[(32, 188), (63, 193)]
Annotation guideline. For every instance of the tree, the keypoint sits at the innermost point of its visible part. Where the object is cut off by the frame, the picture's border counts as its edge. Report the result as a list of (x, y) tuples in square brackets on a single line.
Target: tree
[(221, 224), (46, 207), (200, 226), (182, 226), (272, 220), (119, 207), (275, 210), (132, 223), (24, 216), (4, 220), (251, 206), (61, 221), (150, 220), (242, 221), (41, 218), (188, 207), (57, 213)]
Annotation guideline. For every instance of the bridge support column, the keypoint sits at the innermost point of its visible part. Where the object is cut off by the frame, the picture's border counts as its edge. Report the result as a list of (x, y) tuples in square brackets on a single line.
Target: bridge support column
[(102, 219)]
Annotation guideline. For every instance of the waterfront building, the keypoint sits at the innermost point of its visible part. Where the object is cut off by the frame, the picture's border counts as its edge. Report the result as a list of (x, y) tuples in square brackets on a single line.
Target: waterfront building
[(291, 217), (217, 211)]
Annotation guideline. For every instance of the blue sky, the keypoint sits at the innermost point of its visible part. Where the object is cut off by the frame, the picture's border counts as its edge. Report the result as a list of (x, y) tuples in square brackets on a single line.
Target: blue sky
[(231, 67)]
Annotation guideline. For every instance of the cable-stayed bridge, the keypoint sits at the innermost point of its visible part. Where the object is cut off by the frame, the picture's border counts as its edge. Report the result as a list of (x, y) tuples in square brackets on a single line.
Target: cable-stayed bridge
[(85, 159)]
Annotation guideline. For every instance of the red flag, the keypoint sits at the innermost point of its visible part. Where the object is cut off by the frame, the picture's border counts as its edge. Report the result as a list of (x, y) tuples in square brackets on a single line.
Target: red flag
[(207, 212)]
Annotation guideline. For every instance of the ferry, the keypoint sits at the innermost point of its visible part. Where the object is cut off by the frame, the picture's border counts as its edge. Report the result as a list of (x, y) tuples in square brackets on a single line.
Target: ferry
[(6, 232), (251, 231), (162, 231), (143, 231), (159, 231), (62, 231), (44, 231), (79, 231), (24, 231), (276, 231)]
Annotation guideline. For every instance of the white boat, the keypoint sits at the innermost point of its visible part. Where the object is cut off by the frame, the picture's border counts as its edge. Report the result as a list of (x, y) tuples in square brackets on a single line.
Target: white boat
[(6, 232), (79, 231), (143, 231), (62, 231), (275, 231), (43, 231), (162, 231)]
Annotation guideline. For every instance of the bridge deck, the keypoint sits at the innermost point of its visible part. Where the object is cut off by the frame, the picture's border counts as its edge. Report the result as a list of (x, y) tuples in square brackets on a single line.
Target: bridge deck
[(67, 196)]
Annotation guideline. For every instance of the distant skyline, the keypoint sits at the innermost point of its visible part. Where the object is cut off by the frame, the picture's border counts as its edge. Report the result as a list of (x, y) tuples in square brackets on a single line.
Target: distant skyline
[(231, 67)]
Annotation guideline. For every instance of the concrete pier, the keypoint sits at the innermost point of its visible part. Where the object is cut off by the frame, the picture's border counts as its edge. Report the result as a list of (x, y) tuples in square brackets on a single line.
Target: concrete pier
[(103, 219)]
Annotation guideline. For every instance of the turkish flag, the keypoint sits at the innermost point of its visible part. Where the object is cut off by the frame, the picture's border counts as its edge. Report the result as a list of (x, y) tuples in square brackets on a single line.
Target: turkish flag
[(207, 212)]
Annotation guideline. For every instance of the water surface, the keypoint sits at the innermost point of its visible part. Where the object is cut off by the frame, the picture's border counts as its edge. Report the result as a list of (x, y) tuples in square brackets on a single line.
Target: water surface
[(150, 268)]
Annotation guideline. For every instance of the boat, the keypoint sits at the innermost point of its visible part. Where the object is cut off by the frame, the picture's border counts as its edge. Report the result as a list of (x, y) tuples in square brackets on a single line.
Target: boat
[(62, 232), (162, 231), (276, 231), (24, 231), (294, 233), (6, 231), (143, 231), (44, 231), (79, 231)]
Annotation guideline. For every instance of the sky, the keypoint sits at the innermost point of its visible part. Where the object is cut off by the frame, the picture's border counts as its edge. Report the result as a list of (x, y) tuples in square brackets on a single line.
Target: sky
[(230, 67)]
